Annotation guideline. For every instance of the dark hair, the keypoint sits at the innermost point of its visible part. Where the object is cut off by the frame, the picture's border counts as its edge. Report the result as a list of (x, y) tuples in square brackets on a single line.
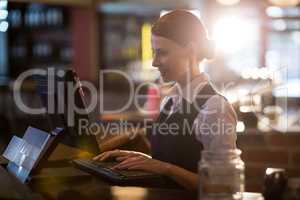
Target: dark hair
[(183, 27)]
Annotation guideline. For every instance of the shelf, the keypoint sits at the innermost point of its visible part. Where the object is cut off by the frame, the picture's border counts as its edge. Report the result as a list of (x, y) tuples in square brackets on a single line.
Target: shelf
[(60, 2), (38, 45)]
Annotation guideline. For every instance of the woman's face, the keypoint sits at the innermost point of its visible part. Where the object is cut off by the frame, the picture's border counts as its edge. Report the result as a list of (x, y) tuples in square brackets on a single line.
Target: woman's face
[(171, 59)]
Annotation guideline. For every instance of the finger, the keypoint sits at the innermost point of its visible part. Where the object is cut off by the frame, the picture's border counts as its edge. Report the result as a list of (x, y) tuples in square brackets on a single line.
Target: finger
[(122, 164), (138, 166), (99, 156), (105, 155), (115, 154), (128, 160), (123, 155), (110, 154), (128, 163), (122, 158)]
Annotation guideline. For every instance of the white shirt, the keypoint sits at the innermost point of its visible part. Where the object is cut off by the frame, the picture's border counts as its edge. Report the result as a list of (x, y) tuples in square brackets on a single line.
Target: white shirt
[(215, 124)]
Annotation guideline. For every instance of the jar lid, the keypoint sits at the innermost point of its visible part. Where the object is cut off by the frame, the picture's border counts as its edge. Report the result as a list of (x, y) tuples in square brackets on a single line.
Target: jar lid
[(272, 170), (294, 182)]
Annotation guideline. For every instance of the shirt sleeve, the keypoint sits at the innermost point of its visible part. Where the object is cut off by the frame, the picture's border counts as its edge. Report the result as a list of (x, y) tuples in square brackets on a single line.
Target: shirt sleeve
[(215, 124)]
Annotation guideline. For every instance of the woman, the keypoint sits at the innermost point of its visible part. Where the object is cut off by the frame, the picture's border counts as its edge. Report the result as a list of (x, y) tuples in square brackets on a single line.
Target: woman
[(180, 43)]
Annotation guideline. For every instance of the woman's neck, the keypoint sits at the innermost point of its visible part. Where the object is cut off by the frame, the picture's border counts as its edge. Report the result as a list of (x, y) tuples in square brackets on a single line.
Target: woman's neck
[(190, 74)]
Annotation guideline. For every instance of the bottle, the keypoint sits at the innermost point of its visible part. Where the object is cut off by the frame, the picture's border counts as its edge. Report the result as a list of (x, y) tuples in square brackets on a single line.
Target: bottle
[(274, 183), (153, 102), (49, 17), (221, 175)]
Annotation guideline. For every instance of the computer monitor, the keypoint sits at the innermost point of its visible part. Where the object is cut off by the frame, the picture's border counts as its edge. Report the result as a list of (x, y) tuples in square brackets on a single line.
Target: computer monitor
[(28, 155), (73, 136)]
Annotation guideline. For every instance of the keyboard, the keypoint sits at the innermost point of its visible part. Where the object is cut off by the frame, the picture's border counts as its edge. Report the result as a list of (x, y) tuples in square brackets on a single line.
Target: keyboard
[(103, 169)]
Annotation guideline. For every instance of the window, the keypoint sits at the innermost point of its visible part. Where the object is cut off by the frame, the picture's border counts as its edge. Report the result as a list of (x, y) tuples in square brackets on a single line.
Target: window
[(3, 45), (283, 48)]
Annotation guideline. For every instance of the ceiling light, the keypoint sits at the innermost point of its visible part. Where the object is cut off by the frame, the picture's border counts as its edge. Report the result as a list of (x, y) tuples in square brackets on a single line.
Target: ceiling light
[(228, 2), (285, 3)]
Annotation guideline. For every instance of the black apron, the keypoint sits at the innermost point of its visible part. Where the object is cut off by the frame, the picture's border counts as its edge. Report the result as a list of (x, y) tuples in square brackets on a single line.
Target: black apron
[(181, 146)]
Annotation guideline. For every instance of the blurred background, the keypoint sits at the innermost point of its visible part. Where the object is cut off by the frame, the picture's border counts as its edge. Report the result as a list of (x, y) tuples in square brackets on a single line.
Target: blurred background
[(257, 64)]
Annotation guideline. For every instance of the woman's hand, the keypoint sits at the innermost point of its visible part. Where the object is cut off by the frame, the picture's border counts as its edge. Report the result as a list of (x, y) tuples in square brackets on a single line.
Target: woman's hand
[(119, 155), (132, 160), (138, 162)]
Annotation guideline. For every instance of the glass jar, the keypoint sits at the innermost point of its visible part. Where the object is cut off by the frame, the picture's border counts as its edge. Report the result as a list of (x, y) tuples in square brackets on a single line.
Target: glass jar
[(221, 175), (274, 183)]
